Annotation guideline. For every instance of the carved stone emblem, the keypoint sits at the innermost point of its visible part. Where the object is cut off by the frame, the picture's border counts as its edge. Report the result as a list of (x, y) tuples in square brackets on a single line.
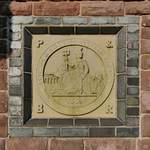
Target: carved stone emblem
[(72, 78)]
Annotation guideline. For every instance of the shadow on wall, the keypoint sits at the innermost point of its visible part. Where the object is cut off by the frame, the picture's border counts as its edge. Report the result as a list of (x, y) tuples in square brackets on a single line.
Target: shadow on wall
[(5, 16)]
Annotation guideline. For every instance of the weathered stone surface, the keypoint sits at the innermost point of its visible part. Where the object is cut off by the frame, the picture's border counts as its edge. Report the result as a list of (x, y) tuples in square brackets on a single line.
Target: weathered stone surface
[(15, 110), (18, 8), (75, 20), (57, 144), (133, 28), (133, 121), (102, 8), (3, 63), (145, 33), (56, 9), (14, 71), (145, 80), (133, 44), (145, 46), (101, 20), (3, 102), (16, 121), (15, 62), (133, 71), (15, 45), (16, 36), (14, 81), (145, 62), (15, 100), (3, 126), (110, 144), (74, 132), (145, 101), (3, 80), (145, 126), (46, 132), (133, 91), (137, 8), (27, 144), (128, 20), (20, 132), (143, 144), (15, 90), (22, 20), (16, 28), (127, 132), (47, 20), (146, 20)]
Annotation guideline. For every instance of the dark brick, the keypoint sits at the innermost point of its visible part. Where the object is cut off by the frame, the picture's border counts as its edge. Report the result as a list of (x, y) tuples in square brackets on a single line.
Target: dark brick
[(127, 132), (61, 122), (86, 122), (102, 132), (110, 122), (132, 111)]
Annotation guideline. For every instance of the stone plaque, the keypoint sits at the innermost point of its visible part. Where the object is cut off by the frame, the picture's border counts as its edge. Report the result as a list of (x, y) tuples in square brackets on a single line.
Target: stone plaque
[(74, 75)]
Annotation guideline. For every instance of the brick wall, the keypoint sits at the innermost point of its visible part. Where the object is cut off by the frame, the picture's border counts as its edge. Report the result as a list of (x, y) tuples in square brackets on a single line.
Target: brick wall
[(75, 8)]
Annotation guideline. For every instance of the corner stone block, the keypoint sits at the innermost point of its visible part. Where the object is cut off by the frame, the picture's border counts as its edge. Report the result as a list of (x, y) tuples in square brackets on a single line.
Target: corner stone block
[(102, 8), (3, 126), (27, 144), (145, 101), (143, 144), (145, 80), (57, 144), (109, 144)]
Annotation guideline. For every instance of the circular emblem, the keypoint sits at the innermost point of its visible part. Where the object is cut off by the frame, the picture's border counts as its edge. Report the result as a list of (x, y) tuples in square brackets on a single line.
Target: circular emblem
[(74, 79)]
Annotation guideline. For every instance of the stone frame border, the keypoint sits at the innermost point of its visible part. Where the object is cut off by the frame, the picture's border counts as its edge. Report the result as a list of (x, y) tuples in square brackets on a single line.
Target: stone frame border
[(86, 129)]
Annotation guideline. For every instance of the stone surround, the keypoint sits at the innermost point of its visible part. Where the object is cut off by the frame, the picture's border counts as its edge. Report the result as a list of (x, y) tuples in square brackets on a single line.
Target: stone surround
[(11, 60)]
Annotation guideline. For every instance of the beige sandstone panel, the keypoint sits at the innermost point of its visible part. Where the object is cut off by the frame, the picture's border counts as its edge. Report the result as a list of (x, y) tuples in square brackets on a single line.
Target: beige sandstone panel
[(74, 75)]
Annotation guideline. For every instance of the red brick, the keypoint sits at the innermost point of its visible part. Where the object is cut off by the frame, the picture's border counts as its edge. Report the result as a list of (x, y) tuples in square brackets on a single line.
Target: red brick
[(3, 126), (145, 61), (27, 144), (145, 126), (3, 102), (146, 20), (145, 102), (66, 144), (146, 33), (3, 80), (3, 63), (145, 80), (137, 8), (109, 144), (143, 144), (21, 8), (2, 144), (56, 9), (102, 8), (145, 46)]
